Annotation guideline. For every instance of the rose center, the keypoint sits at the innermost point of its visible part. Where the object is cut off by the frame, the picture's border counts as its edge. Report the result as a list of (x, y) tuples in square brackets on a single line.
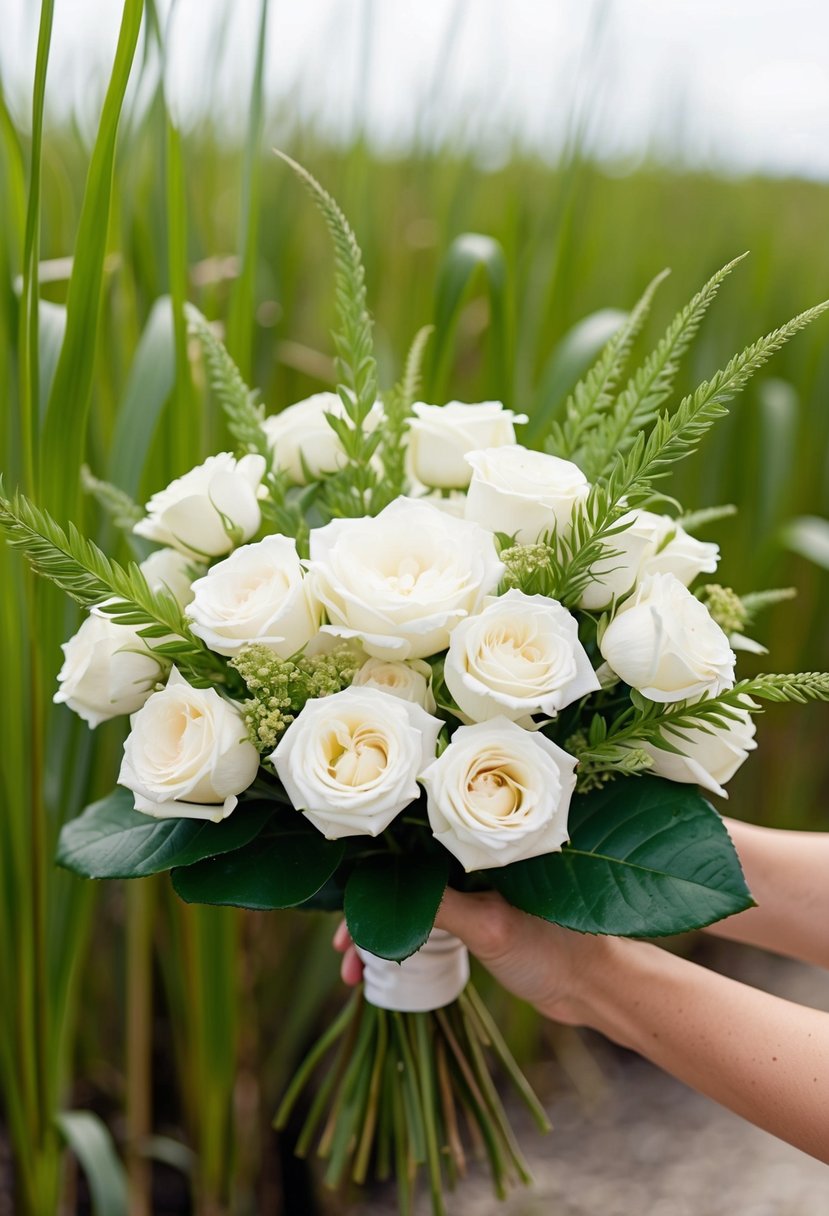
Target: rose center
[(359, 759), (493, 793)]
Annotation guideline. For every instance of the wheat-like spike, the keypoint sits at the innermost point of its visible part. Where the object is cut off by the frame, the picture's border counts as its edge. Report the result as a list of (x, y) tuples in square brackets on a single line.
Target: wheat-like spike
[(241, 407), (638, 403), (594, 394), (122, 510)]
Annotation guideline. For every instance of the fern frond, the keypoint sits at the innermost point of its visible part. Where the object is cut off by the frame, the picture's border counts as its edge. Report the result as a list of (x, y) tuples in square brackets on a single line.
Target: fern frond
[(355, 362), (677, 435), (397, 408), (594, 394), (80, 569), (674, 437), (639, 402), (121, 509), (602, 748)]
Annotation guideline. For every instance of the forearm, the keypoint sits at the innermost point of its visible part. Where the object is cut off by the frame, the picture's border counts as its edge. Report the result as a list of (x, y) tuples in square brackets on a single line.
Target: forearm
[(787, 875), (764, 1058)]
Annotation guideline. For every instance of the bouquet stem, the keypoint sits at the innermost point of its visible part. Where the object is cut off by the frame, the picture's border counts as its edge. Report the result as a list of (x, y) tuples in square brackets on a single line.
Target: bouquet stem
[(397, 1092)]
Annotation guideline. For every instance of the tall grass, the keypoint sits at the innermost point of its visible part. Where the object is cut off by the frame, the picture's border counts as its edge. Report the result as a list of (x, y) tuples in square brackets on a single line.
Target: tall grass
[(98, 367)]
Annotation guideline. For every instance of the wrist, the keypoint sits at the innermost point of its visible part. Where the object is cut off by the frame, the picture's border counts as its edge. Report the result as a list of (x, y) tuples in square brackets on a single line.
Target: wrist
[(602, 982)]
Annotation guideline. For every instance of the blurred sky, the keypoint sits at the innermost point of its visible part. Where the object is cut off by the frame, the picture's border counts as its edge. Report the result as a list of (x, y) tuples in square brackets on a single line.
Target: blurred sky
[(739, 85)]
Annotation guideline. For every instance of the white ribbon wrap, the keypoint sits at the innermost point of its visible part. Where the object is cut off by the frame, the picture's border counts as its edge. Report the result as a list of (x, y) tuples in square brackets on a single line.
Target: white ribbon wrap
[(433, 977)]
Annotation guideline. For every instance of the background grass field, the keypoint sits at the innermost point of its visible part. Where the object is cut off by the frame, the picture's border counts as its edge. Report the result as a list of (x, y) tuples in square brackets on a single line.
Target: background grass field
[(178, 1025)]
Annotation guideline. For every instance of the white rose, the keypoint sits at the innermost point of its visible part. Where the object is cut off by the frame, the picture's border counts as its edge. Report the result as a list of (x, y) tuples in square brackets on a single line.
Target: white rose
[(440, 436), (650, 544), (258, 594), (302, 439), (210, 509), (523, 493), (709, 757), (169, 570), (410, 681), (664, 642), (351, 761), (403, 580), (499, 794), (520, 656), (187, 754), (108, 670)]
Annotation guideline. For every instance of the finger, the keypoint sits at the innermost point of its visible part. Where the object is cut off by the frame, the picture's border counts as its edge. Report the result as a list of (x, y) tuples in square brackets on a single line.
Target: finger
[(351, 968), (342, 938)]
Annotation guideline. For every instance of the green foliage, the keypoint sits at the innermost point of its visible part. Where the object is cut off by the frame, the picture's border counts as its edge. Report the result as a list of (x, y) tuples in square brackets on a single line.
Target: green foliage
[(122, 510), (89, 1139), (391, 901), (280, 687), (594, 395), (282, 868), (604, 747), (113, 840), (64, 424), (651, 456), (468, 254), (349, 492), (637, 405), (646, 858), (397, 405), (82, 571)]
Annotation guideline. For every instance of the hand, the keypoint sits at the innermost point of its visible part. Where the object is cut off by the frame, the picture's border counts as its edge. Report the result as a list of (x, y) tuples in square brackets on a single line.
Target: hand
[(538, 962)]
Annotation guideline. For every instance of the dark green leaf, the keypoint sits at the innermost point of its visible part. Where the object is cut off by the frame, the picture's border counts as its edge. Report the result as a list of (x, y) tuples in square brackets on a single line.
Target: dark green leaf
[(281, 869), (113, 840), (647, 858), (391, 902)]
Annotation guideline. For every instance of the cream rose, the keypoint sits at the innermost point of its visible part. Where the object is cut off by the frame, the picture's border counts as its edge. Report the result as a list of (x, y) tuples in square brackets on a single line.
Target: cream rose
[(403, 580), (302, 439), (440, 436), (169, 570), (499, 794), (108, 670), (258, 594), (187, 754), (351, 761), (210, 509), (664, 642), (650, 544), (410, 681), (523, 493), (520, 656), (710, 757)]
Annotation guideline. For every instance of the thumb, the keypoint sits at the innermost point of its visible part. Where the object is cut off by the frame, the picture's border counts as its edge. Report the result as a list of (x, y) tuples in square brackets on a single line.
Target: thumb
[(482, 921)]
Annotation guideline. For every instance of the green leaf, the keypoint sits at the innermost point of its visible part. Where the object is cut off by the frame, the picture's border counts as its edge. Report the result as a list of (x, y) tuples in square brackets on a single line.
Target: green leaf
[(468, 253), (567, 363), (281, 869), (90, 1141), (150, 382), (113, 840), (647, 858), (64, 429), (391, 902)]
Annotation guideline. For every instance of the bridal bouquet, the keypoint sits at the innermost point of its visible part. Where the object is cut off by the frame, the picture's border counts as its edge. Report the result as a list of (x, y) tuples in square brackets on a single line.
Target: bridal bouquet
[(383, 647)]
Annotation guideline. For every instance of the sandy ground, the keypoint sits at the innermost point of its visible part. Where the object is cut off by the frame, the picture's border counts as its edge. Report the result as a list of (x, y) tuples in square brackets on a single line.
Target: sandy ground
[(651, 1147)]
